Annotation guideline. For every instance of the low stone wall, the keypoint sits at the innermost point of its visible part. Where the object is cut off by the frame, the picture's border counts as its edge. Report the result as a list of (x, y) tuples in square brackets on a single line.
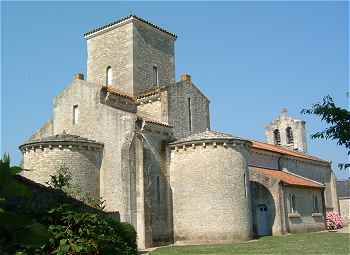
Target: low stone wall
[(344, 204)]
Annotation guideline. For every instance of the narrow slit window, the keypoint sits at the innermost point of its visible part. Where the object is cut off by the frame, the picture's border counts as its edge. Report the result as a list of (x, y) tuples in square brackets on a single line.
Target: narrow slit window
[(75, 114), (109, 76), (189, 114), (158, 189), (277, 137), (155, 76)]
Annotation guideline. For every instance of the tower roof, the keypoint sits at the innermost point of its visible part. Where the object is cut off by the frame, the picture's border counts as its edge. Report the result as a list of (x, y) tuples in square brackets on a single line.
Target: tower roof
[(125, 19)]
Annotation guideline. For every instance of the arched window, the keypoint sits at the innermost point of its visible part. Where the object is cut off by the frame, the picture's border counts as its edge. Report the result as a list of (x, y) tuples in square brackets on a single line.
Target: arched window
[(277, 137), (292, 203), (109, 76), (289, 134)]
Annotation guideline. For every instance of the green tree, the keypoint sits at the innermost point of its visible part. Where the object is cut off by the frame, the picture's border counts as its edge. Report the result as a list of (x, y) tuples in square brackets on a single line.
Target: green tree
[(19, 232), (337, 118)]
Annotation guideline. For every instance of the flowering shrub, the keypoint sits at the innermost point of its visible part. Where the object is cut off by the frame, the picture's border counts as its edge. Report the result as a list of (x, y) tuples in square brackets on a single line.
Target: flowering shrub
[(334, 221)]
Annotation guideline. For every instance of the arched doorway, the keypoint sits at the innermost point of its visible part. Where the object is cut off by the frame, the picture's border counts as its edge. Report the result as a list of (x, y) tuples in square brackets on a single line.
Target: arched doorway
[(263, 206)]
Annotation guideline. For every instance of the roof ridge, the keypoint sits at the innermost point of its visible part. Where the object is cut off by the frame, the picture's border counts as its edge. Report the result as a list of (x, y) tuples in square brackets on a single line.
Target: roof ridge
[(303, 177), (287, 151), (126, 18)]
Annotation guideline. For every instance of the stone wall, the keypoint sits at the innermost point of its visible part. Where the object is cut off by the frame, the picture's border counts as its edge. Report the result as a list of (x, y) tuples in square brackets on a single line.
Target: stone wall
[(211, 197), (157, 185), (178, 96), (264, 159), (150, 110), (131, 49), (105, 124), (113, 48), (305, 219), (152, 47)]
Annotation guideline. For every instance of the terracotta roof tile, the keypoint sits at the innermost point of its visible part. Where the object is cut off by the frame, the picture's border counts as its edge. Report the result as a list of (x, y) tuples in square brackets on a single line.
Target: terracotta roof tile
[(116, 92), (287, 177), (284, 151), (156, 122)]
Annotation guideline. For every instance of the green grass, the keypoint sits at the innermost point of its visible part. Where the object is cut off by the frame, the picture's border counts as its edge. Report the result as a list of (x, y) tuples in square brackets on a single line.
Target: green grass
[(299, 244)]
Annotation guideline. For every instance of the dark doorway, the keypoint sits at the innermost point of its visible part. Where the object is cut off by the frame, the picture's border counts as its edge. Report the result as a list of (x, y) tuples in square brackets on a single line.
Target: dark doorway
[(263, 209)]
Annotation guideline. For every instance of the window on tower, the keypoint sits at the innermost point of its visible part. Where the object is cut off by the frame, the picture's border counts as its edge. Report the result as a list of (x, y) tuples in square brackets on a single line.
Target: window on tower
[(75, 114), (109, 76), (289, 134), (277, 137), (155, 76)]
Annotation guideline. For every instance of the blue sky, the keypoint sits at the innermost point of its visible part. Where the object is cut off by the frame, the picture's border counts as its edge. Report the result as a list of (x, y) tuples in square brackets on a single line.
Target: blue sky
[(251, 58)]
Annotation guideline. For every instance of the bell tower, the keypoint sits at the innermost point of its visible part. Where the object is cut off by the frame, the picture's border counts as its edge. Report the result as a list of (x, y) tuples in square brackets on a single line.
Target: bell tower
[(131, 55), (288, 132)]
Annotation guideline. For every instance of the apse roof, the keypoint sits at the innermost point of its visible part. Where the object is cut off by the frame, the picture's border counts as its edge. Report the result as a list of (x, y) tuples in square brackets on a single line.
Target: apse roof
[(206, 135)]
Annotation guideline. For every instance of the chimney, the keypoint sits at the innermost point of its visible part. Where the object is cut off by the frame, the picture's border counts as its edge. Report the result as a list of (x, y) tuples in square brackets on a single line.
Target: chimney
[(79, 76), (185, 77)]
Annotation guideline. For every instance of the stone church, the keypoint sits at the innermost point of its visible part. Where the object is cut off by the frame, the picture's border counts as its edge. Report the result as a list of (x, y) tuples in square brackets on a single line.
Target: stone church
[(133, 135)]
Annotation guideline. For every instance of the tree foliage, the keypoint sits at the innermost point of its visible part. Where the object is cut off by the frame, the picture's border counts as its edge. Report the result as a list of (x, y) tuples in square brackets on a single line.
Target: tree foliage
[(338, 120), (64, 228), (75, 232), (18, 231)]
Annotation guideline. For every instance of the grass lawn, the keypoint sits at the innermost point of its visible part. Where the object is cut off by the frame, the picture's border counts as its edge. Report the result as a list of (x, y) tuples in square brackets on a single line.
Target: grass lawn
[(299, 244)]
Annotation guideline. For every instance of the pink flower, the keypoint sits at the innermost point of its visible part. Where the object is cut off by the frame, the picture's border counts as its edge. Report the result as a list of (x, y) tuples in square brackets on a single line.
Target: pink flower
[(334, 220)]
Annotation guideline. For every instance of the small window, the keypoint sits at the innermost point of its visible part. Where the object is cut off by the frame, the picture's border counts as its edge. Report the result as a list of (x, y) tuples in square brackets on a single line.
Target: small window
[(158, 189), (289, 134), (75, 114), (292, 203), (277, 137), (109, 76), (315, 203), (155, 76), (189, 114)]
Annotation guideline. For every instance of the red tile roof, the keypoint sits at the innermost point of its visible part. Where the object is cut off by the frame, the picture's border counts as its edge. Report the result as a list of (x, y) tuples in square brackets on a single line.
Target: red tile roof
[(116, 92), (287, 177), (284, 151)]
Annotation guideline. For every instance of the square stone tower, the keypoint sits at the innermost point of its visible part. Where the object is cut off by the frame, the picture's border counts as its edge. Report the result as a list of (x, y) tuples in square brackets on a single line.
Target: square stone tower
[(288, 132), (132, 55)]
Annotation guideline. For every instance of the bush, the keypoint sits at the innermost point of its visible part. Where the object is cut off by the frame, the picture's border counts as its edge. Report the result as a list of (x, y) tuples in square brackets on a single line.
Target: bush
[(334, 221), (75, 232)]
